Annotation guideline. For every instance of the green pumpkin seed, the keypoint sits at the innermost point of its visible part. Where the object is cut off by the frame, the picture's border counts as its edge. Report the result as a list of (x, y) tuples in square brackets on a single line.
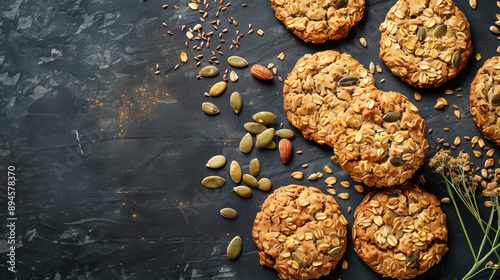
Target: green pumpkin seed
[(236, 102), (264, 117), (440, 30), (209, 71), (285, 133), (243, 191), (254, 128), (411, 260), (335, 250), (234, 248), (271, 146), (456, 58), (391, 117), (209, 108), (237, 61), (246, 143), (339, 4), (213, 182), (250, 180), (397, 161), (235, 171), (422, 33), (218, 88), (495, 99), (265, 184), (254, 167), (265, 138), (298, 259), (228, 213), (348, 81), (216, 162)]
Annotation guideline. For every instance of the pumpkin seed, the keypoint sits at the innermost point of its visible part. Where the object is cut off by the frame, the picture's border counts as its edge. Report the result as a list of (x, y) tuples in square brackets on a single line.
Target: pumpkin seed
[(254, 167), (254, 128), (348, 81), (265, 184), (456, 58), (228, 213), (209, 71), (216, 162), (218, 88), (495, 99), (246, 143), (271, 146), (335, 250), (236, 102), (243, 191), (265, 138), (234, 247), (213, 182), (297, 258), (285, 133), (264, 117), (235, 171), (440, 30), (237, 61), (411, 260), (391, 117), (339, 4), (397, 161), (209, 108), (422, 33), (250, 180)]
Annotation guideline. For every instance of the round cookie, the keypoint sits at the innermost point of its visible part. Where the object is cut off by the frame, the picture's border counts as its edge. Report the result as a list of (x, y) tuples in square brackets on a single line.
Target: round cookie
[(380, 139), (400, 233), (425, 43), (485, 99), (318, 90), (317, 21), (300, 232)]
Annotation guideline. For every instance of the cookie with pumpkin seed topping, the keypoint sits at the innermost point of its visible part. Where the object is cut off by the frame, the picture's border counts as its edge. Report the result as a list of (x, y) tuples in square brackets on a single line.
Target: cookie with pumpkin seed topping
[(425, 42), (300, 232), (317, 21), (484, 99), (400, 232), (380, 139), (319, 89)]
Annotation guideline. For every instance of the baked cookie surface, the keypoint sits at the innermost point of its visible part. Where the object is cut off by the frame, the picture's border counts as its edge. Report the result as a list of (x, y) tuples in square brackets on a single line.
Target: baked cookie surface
[(317, 21), (484, 99), (425, 42), (400, 233), (380, 139), (300, 232), (319, 89)]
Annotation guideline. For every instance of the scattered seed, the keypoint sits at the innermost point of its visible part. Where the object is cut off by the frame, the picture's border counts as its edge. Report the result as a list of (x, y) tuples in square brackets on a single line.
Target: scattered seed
[(379, 68), (298, 175), (264, 117), (265, 184), (330, 181), (313, 177), (345, 265), (448, 91), (209, 108), (265, 138), (216, 162), (359, 188), (281, 56), (473, 4), (228, 213), (285, 133), (250, 180), (233, 76), (327, 169), (237, 61), (209, 71), (305, 165), (243, 191), (236, 102), (478, 56), (213, 182), (446, 200), (246, 143), (234, 248), (371, 67), (235, 172), (254, 128), (362, 41), (417, 96)]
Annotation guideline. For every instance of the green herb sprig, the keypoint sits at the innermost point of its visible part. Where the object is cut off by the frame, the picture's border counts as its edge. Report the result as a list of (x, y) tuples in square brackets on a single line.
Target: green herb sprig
[(461, 182)]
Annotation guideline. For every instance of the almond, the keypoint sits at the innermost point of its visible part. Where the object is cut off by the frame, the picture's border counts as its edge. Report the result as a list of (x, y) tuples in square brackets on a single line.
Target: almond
[(261, 72), (285, 149)]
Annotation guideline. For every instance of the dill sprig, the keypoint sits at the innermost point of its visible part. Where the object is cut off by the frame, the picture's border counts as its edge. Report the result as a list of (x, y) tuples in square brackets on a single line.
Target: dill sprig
[(461, 182)]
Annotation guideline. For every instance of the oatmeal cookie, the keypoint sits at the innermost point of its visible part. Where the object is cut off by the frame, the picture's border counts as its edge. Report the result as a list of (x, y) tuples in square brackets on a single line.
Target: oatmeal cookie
[(425, 42), (380, 139), (485, 99), (401, 232), (318, 90), (300, 232), (317, 21)]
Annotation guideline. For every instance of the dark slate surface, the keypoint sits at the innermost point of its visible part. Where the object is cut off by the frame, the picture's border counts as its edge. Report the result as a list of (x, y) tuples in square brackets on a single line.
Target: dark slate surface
[(109, 157)]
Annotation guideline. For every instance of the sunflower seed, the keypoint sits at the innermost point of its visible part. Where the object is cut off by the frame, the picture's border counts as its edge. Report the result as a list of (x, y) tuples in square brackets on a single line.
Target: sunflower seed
[(411, 260), (473, 4), (362, 41), (246, 143), (234, 248), (235, 171), (213, 182), (209, 71), (397, 161), (494, 29), (456, 58), (440, 30), (243, 191), (339, 4), (264, 117), (216, 162), (254, 128), (237, 61), (495, 99), (285, 133), (265, 138), (254, 167), (265, 184), (209, 108), (228, 213), (348, 81), (422, 33), (391, 117), (218, 88), (236, 102)]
